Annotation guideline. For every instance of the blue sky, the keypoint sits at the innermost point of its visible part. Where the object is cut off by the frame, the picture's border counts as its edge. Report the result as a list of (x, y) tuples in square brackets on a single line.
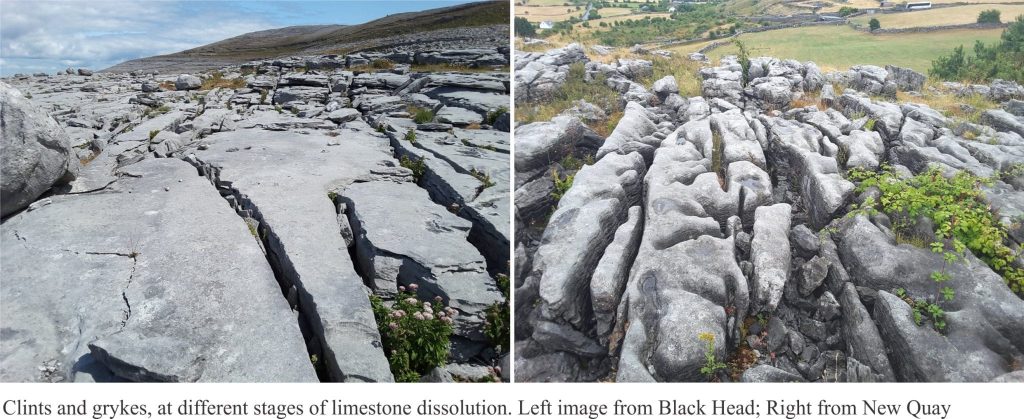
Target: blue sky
[(46, 35)]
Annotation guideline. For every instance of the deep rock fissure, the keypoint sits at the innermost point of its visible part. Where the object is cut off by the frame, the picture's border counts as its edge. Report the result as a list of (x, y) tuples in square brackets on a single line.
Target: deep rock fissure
[(482, 236), (310, 324)]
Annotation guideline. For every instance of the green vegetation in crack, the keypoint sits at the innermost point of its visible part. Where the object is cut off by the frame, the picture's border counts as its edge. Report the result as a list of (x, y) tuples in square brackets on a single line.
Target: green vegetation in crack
[(561, 185), (410, 136), (418, 167), (493, 115), (421, 115), (416, 334), (484, 178), (743, 56), (576, 87), (496, 320), (572, 163), (962, 222), (217, 80), (711, 364), (154, 112)]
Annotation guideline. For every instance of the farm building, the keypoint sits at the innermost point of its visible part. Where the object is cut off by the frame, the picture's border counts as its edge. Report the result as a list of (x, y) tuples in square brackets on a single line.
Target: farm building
[(920, 5), (547, 24)]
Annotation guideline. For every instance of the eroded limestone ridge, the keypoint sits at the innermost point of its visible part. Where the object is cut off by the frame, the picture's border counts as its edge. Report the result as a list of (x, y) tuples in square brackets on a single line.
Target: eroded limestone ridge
[(230, 226), (715, 236)]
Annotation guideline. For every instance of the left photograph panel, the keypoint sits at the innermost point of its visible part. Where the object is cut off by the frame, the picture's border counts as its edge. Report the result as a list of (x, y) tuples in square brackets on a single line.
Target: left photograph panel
[(228, 191)]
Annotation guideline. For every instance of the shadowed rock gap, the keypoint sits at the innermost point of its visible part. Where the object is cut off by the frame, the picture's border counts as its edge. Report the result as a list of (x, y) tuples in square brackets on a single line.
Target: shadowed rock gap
[(288, 280), (483, 235)]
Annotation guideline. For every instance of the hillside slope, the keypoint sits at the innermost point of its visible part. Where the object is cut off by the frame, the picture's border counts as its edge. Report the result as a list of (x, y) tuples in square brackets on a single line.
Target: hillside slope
[(467, 25)]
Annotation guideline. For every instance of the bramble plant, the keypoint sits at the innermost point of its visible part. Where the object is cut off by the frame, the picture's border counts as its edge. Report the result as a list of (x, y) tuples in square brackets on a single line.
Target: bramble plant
[(962, 219), (416, 334), (711, 365), (496, 321)]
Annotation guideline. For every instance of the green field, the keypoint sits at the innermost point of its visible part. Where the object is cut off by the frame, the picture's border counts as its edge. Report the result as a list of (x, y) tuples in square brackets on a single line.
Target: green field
[(958, 15), (551, 2), (839, 47)]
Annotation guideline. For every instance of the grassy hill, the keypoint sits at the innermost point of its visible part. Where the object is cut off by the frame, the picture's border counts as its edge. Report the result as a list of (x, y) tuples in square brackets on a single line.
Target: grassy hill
[(296, 40)]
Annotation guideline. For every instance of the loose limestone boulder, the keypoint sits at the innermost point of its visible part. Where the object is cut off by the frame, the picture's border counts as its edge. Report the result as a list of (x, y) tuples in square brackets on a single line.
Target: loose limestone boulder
[(187, 82), (35, 152)]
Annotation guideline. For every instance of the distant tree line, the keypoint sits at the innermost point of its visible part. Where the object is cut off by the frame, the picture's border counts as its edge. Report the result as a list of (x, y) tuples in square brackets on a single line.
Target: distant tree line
[(523, 27), (1002, 60)]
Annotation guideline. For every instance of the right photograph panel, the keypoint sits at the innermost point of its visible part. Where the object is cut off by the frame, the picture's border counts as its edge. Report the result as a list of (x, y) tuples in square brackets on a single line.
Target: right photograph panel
[(768, 191)]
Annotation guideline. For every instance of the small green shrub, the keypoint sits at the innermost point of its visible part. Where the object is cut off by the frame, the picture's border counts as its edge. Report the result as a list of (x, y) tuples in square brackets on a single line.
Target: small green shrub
[(263, 96), (410, 136), (869, 125), (484, 178), (711, 365), (154, 112), (744, 59), (153, 134), (217, 80), (493, 115), (874, 24), (919, 308), (382, 64), (561, 186), (418, 167), (570, 162), (496, 321), (847, 10), (421, 115), (278, 108), (415, 334), (989, 16)]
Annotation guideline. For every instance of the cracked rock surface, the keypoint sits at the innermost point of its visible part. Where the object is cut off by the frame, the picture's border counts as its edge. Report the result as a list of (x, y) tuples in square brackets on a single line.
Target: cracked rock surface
[(234, 232), (722, 226)]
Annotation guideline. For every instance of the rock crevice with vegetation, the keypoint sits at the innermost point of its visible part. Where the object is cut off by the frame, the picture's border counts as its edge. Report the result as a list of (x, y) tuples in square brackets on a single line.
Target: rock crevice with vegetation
[(778, 223)]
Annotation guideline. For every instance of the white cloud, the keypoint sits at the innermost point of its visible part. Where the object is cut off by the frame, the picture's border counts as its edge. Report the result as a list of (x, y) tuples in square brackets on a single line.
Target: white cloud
[(51, 35)]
